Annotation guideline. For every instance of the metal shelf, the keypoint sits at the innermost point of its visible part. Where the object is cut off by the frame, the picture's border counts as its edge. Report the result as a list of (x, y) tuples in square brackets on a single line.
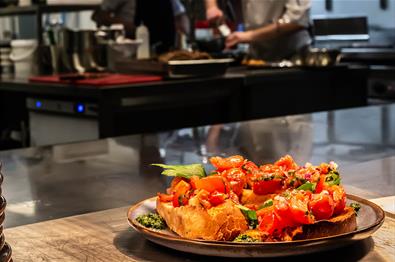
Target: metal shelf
[(42, 9)]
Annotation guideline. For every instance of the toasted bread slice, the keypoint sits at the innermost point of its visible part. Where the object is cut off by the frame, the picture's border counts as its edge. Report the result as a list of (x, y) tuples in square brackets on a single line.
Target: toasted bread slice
[(223, 222), (340, 224)]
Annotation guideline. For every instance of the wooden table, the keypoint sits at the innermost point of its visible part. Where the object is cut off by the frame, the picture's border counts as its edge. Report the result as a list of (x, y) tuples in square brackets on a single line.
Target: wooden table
[(106, 236)]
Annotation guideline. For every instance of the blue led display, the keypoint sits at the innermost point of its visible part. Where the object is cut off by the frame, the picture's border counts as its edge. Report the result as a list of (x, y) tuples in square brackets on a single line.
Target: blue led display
[(80, 108), (39, 104)]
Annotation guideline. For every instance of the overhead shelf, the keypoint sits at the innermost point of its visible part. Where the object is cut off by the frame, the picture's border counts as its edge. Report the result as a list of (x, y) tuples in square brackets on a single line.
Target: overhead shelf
[(41, 9)]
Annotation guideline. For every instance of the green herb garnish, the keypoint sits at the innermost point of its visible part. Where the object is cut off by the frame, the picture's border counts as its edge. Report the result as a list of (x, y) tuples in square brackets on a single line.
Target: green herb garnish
[(332, 178), (152, 220), (250, 215), (267, 203), (307, 186), (356, 206), (245, 238), (185, 171)]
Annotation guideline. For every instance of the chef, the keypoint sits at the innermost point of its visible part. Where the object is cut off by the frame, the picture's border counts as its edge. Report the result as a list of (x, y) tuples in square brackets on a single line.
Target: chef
[(275, 29)]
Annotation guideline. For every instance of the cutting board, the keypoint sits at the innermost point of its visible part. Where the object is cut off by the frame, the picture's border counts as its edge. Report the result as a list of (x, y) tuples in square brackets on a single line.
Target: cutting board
[(98, 80)]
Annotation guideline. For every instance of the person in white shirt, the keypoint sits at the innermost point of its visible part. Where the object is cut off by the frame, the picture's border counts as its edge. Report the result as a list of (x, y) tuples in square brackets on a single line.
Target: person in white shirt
[(275, 29)]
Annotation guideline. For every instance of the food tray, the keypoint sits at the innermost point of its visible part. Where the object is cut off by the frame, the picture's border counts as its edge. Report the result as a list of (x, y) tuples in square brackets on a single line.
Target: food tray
[(177, 68)]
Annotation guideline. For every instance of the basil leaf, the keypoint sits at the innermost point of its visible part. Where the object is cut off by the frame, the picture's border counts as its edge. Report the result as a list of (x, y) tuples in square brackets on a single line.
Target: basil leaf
[(332, 178), (267, 203), (186, 171), (250, 215), (308, 186)]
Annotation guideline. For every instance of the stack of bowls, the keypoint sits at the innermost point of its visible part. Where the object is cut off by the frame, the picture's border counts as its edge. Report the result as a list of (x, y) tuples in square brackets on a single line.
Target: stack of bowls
[(6, 65), (5, 249)]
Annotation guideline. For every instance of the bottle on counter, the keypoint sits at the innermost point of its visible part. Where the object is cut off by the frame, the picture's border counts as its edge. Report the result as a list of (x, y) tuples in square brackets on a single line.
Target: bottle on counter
[(142, 33)]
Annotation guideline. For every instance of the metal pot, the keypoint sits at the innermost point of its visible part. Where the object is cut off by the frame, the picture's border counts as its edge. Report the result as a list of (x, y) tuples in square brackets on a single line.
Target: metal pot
[(317, 57)]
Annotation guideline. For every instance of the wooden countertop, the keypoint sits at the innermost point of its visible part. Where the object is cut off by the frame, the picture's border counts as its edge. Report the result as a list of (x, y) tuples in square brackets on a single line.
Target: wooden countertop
[(106, 236)]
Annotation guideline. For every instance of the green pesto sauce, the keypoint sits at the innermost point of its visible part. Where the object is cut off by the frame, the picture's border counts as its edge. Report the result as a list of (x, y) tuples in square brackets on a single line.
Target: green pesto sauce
[(152, 220), (245, 239), (355, 206)]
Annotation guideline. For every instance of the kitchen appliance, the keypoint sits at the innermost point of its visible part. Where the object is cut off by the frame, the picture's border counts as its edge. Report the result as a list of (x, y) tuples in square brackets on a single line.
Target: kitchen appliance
[(340, 28), (61, 121)]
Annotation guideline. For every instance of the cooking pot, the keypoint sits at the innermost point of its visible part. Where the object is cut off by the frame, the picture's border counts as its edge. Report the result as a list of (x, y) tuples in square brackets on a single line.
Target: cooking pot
[(317, 57)]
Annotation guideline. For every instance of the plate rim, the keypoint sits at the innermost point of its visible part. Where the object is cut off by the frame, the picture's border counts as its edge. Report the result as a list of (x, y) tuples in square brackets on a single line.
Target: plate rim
[(157, 234)]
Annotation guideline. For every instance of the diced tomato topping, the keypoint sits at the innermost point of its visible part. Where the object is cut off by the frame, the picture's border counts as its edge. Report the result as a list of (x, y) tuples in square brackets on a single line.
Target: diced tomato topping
[(268, 222), (179, 199), (180, 191), (182, 187), (320, 185), (216, 198), (339, 198), (250, 167), (300, 212), (225, 163), (287, 163), (213, 183), (237, 179), (324, 168), (322, 205), (165, 197), (193, 180), (263, 187)]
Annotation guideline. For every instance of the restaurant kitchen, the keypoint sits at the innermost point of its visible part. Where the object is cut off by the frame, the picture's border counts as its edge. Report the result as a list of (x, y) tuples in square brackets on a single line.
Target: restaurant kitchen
[(92, 93)]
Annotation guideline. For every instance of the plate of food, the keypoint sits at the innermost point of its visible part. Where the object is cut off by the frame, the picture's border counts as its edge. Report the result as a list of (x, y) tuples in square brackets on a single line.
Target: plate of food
[(241, 209)]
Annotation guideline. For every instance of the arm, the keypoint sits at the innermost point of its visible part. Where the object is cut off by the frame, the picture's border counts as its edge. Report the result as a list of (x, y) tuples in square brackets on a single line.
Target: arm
[(213, 13), (263, 33), (180, 17), (296, 17)]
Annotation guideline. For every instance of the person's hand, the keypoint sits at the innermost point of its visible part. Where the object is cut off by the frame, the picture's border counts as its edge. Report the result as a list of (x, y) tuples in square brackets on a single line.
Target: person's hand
[(214, 14), (238, 37)]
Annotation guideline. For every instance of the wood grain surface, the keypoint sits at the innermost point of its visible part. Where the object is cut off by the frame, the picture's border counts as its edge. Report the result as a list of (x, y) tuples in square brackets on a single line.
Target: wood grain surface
[(106, 236)]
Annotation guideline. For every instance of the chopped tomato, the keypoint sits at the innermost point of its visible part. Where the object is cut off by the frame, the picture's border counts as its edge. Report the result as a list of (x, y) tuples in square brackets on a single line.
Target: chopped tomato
[(174, 182), (250, 167), (165, 197), (234, 197), (300, 212), (180, 191), (324, 167), (216, 198), (225, 163), (193, 180), (339, 198), (213, 183), (322, 205), (263, 187), (237, 179), (179, 199), (287, 163), (320, 185), (268, 222), (182, 187)]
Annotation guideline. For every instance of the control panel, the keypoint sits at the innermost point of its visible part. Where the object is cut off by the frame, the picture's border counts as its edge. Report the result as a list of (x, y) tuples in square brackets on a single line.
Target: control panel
[(62, 107)]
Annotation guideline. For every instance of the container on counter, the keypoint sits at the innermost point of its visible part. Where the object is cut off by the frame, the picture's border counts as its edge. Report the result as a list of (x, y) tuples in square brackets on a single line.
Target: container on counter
[(142, 33), (23, 55)]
